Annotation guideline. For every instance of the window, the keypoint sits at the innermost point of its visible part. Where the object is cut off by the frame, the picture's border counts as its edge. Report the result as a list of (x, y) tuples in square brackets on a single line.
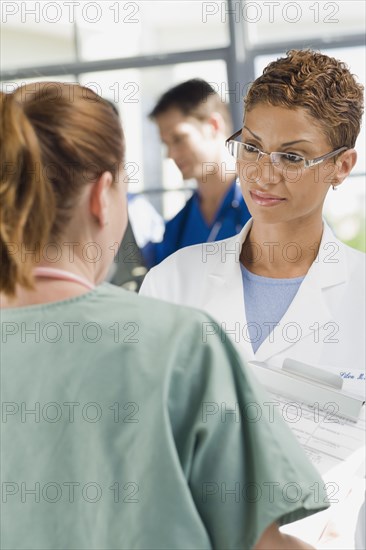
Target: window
[(126, 29), (34, 34), (283, 21), (150, 46)]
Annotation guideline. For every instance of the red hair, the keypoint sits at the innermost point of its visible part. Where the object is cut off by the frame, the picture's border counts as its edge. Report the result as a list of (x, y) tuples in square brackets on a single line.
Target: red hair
[(56, 138)]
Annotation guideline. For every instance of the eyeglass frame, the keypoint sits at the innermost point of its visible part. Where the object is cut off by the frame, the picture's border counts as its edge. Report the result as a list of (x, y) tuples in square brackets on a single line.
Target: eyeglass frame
[(308, 163)]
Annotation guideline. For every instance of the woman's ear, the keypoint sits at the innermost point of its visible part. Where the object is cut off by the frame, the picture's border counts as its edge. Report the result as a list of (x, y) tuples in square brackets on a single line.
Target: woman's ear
[(100, 198), (344, 164)]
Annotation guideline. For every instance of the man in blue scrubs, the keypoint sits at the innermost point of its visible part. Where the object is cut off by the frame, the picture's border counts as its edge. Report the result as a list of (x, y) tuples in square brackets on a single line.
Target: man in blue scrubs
[(193, 123)]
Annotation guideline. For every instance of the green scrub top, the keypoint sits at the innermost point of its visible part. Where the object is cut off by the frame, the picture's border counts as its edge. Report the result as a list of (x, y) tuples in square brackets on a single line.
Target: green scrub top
[(125, 427)]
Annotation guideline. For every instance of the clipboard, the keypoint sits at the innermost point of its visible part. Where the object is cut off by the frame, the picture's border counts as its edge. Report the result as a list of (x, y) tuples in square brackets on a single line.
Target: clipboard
[(309, 384), (335, 447)]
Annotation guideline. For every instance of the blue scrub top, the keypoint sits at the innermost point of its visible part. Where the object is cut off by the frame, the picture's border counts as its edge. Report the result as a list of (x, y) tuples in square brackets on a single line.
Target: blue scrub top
[(189, 227)]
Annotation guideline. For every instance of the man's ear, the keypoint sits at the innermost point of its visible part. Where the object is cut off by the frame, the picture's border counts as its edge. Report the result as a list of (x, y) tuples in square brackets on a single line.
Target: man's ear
[(100, 198), (344, 164), (216, 120)]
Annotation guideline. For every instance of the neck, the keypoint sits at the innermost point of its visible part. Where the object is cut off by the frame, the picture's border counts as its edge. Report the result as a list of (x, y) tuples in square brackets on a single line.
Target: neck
[(51, 290), (283, 250)]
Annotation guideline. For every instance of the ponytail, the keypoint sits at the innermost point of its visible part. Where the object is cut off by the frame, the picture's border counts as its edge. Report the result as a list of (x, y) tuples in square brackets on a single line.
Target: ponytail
[(27, 205), (56, 138)]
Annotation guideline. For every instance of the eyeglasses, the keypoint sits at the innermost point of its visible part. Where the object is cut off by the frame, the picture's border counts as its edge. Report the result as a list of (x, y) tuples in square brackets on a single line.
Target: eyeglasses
[(287, 161)]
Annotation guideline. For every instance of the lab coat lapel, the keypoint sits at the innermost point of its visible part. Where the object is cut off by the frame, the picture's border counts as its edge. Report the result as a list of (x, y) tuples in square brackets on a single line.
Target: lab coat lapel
[(309, 310), (224, 298)]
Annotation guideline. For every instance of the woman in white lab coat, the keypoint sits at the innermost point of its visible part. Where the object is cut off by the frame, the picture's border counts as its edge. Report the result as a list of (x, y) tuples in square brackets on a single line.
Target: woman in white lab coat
[(285, 286)]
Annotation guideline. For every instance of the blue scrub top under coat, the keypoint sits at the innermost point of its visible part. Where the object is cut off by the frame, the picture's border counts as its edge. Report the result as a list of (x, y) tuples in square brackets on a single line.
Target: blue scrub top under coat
[(189, 227)]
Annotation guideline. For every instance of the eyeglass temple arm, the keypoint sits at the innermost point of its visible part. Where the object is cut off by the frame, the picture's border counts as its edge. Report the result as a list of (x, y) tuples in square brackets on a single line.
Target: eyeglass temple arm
[(234, 136), (327, 156)]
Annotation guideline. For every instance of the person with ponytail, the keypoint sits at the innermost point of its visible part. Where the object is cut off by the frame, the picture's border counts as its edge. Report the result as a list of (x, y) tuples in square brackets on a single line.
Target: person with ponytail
[(112, 430), (57, 141)]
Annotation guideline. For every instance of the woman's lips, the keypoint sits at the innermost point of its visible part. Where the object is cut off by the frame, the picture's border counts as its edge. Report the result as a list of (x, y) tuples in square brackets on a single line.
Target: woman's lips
[(265, 199)]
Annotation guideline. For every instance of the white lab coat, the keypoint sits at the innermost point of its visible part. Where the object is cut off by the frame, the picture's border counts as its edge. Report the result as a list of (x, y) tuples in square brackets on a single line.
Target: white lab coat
[(324, 325)]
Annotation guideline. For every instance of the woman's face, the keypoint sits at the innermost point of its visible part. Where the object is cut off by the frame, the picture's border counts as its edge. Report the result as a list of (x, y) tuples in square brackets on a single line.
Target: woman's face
[(274, 195)]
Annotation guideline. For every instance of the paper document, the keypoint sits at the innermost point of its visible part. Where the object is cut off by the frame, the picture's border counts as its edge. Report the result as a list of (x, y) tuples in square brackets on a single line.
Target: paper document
[(327, 438), (330, 425), (328, 422)]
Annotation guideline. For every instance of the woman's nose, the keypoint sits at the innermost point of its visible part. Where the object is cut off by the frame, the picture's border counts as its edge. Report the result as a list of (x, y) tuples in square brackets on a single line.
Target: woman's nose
[(269, 170), (262, 172)]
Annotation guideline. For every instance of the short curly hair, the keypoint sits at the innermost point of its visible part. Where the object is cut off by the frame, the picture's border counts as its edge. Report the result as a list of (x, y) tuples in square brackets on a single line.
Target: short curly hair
[(318, 83)]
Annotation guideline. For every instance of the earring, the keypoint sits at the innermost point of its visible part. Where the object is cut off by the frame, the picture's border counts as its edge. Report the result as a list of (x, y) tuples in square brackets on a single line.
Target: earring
[(334, 188)]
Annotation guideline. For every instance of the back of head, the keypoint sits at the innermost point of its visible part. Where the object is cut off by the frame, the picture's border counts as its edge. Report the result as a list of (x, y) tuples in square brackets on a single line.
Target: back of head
[(196, 98), (56, 138), (318, 83)]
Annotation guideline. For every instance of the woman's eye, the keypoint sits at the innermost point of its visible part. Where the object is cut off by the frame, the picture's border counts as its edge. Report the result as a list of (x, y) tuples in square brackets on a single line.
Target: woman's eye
[(292, 157), (250, 148)]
